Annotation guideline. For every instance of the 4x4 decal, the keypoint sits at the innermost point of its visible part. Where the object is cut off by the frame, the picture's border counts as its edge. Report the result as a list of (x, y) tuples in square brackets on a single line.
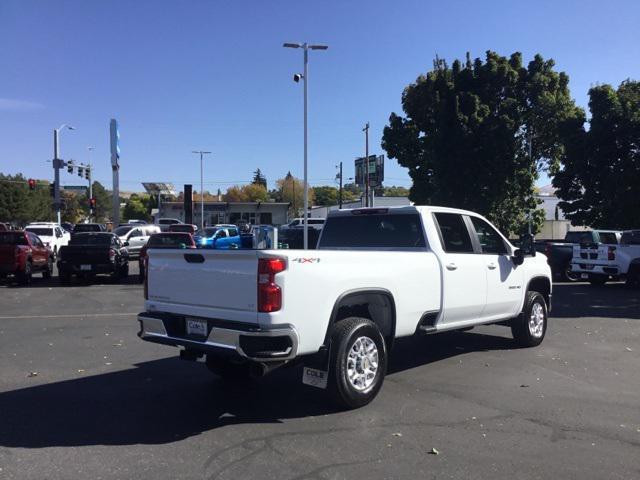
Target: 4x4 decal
[(305, 260)]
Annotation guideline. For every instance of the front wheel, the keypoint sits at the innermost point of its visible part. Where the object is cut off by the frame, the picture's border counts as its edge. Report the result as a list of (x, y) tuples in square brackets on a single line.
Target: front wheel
[(570, 276), (24, 277), (358, 362), (47, 272), (530, 327)]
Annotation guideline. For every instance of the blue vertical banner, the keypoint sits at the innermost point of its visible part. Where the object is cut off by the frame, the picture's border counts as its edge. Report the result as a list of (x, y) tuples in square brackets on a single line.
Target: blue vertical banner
[(114, 136), (115, 143)]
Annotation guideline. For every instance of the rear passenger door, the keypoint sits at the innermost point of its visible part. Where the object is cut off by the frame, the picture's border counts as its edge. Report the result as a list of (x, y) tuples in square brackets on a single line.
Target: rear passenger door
[(504, 278), (464, 279)]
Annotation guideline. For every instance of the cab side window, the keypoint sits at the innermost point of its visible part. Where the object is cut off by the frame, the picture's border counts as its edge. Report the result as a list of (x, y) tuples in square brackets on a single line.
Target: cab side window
[(233, 232), (135, 233), (454, 234), (221, 234), (490, 240)]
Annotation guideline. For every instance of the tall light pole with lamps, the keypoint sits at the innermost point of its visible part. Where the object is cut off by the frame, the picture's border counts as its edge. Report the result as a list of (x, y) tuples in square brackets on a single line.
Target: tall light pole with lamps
[(296, 78), (202, 153), (58, 163)]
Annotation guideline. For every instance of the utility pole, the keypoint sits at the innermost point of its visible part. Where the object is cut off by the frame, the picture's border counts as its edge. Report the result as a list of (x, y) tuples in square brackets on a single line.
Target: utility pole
[(340, 191), (202, 153), (366, 162)]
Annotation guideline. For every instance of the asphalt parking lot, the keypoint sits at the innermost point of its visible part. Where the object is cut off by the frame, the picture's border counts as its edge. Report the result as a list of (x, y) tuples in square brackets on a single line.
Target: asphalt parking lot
[(82, 397)]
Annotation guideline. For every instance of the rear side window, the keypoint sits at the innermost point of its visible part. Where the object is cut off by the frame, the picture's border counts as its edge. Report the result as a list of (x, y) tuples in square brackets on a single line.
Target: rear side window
[(608, 237), (373, 231), (13, 239), (490, 240), (233, 232), (453, 233), (578, 237), (631, 238)]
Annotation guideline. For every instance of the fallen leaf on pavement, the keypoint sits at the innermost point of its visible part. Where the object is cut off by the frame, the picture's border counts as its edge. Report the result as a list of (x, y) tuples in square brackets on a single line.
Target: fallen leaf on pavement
[(32, 374), (434, 451)]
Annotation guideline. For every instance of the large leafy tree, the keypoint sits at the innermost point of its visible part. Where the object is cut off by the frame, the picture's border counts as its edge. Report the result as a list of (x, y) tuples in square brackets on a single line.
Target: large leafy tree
[(291, 189), (135, 209), (599, 181), (104, 203), (474, 135), (20, 205)]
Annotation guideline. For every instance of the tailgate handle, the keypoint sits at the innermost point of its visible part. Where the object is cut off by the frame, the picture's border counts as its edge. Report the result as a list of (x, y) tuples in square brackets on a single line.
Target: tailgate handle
[(194, 258)]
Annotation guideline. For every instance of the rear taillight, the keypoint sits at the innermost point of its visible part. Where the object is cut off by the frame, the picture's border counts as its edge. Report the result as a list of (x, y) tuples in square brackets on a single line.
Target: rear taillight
[(611, 253), (269, 293)]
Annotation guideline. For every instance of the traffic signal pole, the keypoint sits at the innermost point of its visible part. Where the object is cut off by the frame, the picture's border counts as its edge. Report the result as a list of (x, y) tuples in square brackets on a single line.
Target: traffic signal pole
[(57, 165)]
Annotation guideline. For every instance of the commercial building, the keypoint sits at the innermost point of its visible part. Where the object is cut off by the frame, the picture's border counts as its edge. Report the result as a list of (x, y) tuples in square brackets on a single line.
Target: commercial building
[(255, 213)]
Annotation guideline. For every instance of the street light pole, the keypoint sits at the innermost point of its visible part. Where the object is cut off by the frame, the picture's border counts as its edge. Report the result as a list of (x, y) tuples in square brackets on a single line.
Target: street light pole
[(305, 78), (202, 153)]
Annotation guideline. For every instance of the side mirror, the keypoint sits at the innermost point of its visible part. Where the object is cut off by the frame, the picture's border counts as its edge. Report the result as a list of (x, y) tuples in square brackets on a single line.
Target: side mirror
[(518, 257), (527, 245)]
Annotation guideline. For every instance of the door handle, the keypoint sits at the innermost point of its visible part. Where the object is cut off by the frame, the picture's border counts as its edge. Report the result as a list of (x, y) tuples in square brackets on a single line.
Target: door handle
[(492, 266), (451, 266)]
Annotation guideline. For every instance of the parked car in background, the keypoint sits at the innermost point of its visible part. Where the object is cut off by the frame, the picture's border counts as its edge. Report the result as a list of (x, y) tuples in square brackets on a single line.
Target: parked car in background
[(52, 235), (594, 257), (628, 256), (137, 222), (22, 253), (92, 253), (4, 227), (316, 223), (183, 228), (163, 240), (379, 274), (67, 226), (136, 236), (221, 237), (164, 223), (89, 227)]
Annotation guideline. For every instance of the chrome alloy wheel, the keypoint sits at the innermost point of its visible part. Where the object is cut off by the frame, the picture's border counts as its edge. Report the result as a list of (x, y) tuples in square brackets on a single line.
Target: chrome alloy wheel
[(536, 320), (362, 363)]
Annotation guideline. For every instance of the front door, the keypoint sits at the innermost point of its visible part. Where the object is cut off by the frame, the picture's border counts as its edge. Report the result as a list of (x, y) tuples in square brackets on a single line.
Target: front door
[(464, 277), (504, 278)]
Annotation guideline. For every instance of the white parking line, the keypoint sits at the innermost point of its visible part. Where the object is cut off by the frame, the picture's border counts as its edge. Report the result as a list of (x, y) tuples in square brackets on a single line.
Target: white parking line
[(74, 315)]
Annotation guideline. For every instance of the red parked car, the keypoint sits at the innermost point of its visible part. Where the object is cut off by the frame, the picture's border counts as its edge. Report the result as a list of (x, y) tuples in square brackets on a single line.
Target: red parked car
[(163, 240), (22, 254)]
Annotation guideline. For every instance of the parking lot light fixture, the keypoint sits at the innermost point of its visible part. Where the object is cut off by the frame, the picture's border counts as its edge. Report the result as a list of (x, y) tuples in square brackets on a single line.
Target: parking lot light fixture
[(305, 77)]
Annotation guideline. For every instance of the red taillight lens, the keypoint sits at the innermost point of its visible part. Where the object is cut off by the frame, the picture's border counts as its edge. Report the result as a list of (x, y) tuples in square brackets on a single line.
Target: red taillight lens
[(269, 293), (612, 253)]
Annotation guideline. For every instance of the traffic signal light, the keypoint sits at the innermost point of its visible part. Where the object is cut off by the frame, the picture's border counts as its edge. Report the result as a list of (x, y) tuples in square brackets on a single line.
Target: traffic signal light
[(80, 172), (87, 174), (32, 184), (92, 204), (69, 167)]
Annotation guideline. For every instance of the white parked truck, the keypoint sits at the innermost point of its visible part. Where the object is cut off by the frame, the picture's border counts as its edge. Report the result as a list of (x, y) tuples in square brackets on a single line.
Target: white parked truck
[(378, 274)]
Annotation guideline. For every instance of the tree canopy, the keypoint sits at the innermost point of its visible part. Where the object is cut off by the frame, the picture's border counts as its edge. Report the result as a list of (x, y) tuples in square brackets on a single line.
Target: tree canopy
[(599, 180), (467, 129), (252, 192), (259, 178)]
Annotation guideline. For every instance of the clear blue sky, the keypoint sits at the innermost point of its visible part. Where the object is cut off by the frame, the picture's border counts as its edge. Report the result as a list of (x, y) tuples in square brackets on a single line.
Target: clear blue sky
[(185, 75)]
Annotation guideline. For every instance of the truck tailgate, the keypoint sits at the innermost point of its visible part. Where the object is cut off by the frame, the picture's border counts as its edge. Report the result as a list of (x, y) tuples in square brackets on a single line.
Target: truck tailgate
[(204, 282)]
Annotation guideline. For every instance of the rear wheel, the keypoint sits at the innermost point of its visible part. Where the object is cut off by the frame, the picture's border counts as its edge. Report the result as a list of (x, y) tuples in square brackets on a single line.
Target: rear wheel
[(358, 362), (24, 277), (570, 276), (529, 328)]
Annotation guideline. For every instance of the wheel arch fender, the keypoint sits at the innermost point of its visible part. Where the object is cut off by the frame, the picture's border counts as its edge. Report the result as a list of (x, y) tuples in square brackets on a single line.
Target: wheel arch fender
[(542, 285), (375, 304)]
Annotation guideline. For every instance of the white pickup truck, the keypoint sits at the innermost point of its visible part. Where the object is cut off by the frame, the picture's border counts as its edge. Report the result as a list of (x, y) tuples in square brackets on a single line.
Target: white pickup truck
[(378, 274)]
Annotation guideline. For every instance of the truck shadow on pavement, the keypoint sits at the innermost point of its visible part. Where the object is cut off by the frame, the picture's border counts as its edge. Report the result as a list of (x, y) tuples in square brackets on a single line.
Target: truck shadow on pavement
[(613, 300), (167, 400)]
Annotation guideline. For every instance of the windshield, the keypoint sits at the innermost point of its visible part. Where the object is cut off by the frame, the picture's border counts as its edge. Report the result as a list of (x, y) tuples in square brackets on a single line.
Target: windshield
[(169, 240), (12, 239), (41, 232), (121, 231), (578, 237), (181, 228), (89, 239), (373, 231), (87, 227)]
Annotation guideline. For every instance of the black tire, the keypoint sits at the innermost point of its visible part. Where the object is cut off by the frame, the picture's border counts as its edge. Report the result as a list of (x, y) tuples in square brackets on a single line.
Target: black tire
[(48, 271), (526, 331), (345, 334), (65, 278), (124, 271), (24, 277), (227, 370), (141, 272), (568, 276), (598, 280)]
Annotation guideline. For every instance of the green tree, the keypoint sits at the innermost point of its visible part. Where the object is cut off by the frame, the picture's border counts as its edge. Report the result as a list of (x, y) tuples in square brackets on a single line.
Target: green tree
[(292, 191), (259, 179), (326, 196), (467, 130), (247, 193), (135, 209), (599, 181), (104, 203), (72, 210), (395, 191), (20, 205)]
